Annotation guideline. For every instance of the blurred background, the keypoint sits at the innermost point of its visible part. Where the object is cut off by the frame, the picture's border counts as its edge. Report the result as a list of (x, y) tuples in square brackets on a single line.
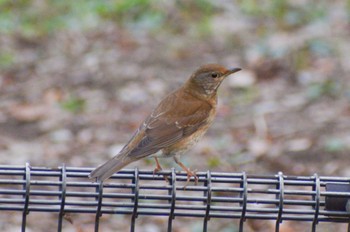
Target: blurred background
[(78, 77)]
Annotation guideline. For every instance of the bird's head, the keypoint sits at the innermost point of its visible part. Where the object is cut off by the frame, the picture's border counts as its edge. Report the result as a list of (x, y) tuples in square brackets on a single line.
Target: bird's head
[(206, 79)]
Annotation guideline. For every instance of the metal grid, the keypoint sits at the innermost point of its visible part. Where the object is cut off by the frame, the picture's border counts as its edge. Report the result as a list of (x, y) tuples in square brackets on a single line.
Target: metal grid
[(237, 196)]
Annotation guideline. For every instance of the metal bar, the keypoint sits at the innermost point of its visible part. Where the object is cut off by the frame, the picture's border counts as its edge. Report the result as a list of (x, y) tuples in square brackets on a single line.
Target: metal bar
[(135, 199), (62, 197), (133, 192), (99, 190), (26, 197), (243, 195), (172, 193), (208, 201), (280, 187), (316, 198)]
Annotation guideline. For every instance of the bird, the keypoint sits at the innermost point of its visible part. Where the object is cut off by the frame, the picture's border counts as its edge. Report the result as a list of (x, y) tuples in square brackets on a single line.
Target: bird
[(175, 125)]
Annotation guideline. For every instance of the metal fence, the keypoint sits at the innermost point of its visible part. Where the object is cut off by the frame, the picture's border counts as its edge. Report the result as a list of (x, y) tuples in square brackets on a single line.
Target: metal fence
[(240, 196)]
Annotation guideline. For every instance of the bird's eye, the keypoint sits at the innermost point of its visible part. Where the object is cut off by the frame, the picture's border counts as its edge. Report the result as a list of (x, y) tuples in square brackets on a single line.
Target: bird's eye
[(214, 75)]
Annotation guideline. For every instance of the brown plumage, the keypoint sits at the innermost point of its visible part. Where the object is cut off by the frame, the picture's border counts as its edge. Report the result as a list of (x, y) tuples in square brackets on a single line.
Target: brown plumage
[(176, 124)]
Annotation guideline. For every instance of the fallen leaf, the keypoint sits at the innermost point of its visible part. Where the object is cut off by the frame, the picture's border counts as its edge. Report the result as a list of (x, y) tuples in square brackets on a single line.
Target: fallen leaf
[(28, 112)]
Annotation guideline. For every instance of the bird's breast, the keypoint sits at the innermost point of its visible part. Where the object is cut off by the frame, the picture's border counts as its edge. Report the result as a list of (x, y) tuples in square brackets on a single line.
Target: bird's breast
[(186, 143)]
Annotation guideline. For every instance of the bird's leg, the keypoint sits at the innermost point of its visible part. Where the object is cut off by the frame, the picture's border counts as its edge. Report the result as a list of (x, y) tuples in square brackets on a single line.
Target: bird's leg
[(159, 168), (188, 171)]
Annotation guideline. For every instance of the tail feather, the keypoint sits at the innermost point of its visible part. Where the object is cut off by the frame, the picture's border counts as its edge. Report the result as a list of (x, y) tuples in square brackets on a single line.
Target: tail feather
[(107, 169)]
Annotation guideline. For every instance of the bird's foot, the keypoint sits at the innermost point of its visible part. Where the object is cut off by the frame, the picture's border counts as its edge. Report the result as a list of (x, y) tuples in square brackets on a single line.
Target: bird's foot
[(158, 169), (189, 175), (188, 171)]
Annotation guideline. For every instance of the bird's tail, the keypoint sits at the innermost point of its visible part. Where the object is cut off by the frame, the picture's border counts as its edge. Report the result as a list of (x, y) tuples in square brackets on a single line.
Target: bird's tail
[(113, 165)]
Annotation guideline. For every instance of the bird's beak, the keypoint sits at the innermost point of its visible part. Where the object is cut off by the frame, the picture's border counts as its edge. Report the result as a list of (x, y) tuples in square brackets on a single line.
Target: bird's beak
[(232, 70)]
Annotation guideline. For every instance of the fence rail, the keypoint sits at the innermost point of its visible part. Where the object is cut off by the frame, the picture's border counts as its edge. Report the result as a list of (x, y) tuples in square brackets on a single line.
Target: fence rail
[(238, 196)]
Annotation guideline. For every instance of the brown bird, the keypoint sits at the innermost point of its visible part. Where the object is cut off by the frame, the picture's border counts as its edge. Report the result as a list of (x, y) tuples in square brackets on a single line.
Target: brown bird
[(175, 125)]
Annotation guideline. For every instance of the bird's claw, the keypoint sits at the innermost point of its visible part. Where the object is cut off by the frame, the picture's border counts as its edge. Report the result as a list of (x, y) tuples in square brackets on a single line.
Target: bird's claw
[(158, 169), (189, 175)]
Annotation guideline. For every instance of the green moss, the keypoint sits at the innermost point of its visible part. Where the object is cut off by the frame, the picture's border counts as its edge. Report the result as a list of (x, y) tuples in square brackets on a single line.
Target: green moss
[(33, 18), (334, 145), (6, 59), (326, 88), (214, 162), (74, 105), (283, 14)]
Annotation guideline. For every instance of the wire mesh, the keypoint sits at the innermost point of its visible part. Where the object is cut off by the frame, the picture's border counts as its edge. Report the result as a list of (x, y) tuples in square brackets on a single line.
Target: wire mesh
[(240, 196)]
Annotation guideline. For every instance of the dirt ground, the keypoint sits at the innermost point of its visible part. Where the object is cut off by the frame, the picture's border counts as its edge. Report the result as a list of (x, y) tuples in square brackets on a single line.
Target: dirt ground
[(75, 95)]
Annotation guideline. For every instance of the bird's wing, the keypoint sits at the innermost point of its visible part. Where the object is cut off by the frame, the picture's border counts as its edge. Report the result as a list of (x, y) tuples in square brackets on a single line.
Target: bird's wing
[(175, 118)]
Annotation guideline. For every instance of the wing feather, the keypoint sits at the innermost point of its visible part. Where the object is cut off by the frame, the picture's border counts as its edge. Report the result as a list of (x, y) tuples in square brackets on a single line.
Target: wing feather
[(166, 125)]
